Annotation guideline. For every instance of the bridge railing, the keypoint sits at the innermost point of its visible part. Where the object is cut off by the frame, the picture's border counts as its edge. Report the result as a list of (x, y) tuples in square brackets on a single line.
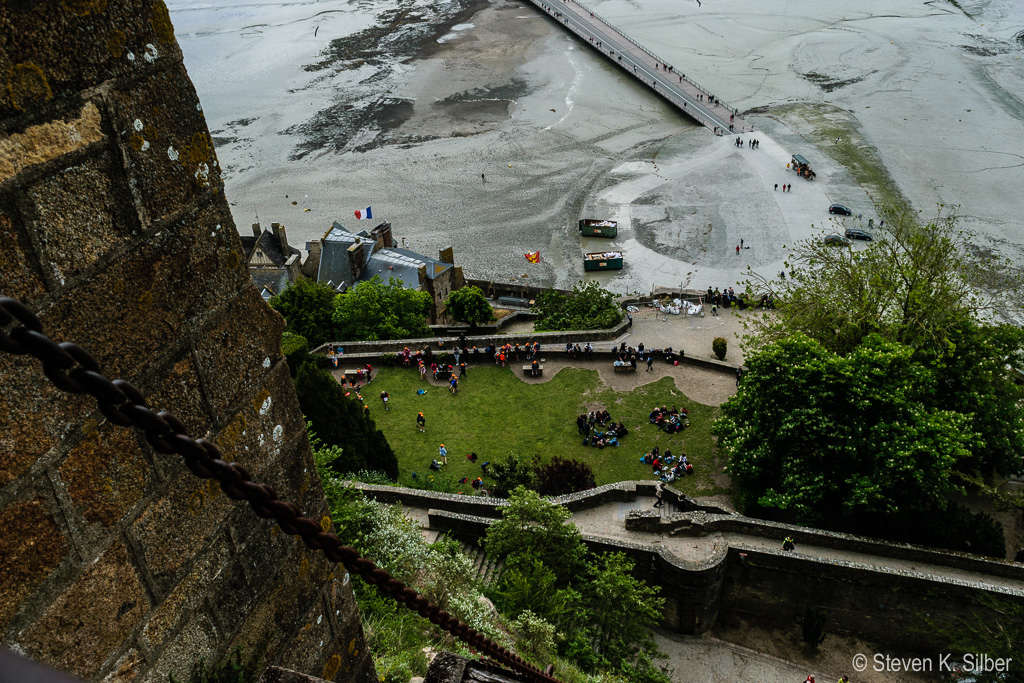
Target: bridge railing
[(679, 102), (658, 59)]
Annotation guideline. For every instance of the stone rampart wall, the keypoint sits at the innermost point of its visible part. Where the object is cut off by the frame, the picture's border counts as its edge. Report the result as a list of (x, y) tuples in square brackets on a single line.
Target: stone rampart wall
[(118, 564), (772, 588)]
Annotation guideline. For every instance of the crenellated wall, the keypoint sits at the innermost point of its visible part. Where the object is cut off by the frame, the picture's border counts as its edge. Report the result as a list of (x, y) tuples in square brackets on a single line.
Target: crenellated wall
[(118, 564)]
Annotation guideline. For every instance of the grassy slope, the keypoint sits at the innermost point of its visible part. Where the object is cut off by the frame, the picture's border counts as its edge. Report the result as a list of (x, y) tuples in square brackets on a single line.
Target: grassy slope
[(495, 413)]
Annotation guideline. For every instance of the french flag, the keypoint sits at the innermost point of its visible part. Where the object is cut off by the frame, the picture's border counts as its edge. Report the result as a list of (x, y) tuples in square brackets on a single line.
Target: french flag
[(364, 215)]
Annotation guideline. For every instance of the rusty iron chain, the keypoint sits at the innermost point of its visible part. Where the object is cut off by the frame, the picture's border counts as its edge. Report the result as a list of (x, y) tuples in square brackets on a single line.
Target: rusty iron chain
[(73, 369)]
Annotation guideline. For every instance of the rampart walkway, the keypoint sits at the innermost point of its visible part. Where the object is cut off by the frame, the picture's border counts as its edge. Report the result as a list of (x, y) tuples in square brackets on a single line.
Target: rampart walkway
[(663, 78)]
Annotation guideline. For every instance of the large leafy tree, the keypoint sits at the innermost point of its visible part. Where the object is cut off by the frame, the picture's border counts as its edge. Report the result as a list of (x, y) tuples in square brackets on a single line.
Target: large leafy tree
[(469, 305), (826, 439), (340, 420), (913, 284), (531, 529), (308, 308), (588, 307), (376, 310)]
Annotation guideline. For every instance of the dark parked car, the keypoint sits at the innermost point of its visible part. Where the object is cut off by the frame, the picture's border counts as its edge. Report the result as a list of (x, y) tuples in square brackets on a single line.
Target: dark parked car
[(840, 209), (837, 240), (858, 234)]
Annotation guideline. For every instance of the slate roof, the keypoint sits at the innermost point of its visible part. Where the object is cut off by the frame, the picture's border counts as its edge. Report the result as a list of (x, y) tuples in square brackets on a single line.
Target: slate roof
[(269, 245), (386, 263)]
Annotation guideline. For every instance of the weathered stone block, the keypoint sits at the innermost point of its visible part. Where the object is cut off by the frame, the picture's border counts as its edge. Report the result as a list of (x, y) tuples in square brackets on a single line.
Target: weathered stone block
[(160, 125), (187, 596), (55, 50), (90, 619), (198, 639), (34, 415), (21, 277), (256, 435), (352, 661), (45, 141), (236, 353), (293, 591), (173, 528), (105, 474), (127, 668), (315, 638), (124, 314), (31, 546), (76, 218), (231, 597), (178, 391)]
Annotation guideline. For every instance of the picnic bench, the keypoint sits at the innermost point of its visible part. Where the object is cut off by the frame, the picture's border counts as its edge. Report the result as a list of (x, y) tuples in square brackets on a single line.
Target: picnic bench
[(442, 374), (529, 371), (353, 377), (625, 368)]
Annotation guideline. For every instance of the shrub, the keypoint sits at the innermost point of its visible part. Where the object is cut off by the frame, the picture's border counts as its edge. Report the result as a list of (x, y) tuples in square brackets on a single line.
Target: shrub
[(232, 670), (295, 350), (719, 346), (510, 472), (563, 475), (388, 360)]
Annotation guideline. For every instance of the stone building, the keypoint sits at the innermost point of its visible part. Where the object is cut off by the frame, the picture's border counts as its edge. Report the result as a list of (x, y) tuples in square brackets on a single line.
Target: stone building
[(272, 262), (117, 563), (343, 259)]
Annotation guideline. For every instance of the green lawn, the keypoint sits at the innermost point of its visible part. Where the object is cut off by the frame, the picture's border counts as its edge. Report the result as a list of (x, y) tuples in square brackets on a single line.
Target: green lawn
[(495, 413)]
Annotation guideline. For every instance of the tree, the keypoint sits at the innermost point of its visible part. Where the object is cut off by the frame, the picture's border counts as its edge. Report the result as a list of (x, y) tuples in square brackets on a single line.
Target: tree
[(308, 307), (720, 346), (510, 472), (531, 529), (295, 350), (588, 307), (341, 421), (620, 607), (563, 475), (912, 284), (469, 305), (824, 438), (373, 310)]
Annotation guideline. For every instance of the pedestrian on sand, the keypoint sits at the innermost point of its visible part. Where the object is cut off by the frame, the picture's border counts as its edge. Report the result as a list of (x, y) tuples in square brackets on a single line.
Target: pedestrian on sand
[(384, 399), (776, 187), (741, 243), (788, 545), (421, 422), (737, 250), (650, 363), (659, 493)]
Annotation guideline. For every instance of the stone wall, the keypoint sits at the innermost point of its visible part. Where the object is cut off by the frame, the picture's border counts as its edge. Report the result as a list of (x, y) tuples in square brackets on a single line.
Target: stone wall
[(118, 564), (772, 588)]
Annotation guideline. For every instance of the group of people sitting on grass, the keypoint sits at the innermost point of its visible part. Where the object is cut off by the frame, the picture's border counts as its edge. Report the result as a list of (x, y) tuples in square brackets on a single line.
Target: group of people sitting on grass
[(598, 430), (667, 467), (670, 421)]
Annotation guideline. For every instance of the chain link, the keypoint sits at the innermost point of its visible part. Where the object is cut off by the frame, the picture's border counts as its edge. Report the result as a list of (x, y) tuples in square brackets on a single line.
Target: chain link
[(73, 369)]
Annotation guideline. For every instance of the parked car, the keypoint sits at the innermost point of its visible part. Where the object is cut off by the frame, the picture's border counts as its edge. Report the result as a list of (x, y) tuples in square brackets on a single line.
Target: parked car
[(840, 209), (837, 240), (858, 234)]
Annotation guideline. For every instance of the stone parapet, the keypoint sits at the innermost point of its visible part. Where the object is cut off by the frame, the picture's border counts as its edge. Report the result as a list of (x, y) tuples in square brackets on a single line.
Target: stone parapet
[(118, 564)]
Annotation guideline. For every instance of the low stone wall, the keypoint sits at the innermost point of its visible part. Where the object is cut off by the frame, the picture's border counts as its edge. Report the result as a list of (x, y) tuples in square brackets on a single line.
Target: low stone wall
[(831, 539), (439, 344), (691, 589), (774, 590), (909, 610)]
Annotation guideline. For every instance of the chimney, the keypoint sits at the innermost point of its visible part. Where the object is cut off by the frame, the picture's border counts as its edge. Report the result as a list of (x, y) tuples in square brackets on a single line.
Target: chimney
[(356, 260), (256, 231), (282, 237)]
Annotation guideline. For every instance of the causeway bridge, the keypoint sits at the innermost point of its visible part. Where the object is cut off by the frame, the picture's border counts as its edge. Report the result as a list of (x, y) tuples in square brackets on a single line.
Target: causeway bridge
[(667, 80)]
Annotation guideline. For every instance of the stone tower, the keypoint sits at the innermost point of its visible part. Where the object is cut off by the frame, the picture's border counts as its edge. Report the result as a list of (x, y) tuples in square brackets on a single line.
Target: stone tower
[(117, 563)]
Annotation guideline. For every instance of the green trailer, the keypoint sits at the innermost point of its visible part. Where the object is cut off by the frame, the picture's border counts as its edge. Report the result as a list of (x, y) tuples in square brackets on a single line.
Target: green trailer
[(602, 260), (597, 227)]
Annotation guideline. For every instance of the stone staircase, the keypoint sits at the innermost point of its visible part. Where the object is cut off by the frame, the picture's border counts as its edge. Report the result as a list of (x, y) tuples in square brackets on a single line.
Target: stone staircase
[(485, 569)]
